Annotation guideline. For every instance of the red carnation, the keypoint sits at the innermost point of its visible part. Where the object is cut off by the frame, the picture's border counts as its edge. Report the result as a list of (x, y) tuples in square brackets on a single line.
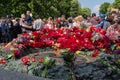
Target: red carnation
[(95, 54), (16, 53), (3, 61), (25, 60), (33, 59), (102, 31), (40, 60)]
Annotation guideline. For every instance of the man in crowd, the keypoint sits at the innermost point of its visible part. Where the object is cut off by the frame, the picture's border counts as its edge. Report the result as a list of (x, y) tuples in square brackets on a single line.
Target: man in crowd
[(63, 22), (38, 23), (24, 24), (93, 20), (0, 31), (9, 28), (113, 14), (28, 18), (3, 30)]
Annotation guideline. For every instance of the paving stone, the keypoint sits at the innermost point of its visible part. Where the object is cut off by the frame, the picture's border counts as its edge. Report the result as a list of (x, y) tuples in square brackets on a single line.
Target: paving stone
[(9, 75)]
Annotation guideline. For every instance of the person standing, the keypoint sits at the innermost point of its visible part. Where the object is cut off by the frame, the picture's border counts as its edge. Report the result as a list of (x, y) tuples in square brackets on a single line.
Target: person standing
[(0, 31), (102, 21), (108, 23), (63, 22), (93, 20), (113, 32), (28, 18), (38, 23), (70, 22), (113, 14), (17, 28), (3, 30), (9, 28), (23, 23)]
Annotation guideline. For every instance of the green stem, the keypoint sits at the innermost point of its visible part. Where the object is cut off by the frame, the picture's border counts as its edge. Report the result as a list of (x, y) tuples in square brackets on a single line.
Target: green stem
[(44, 73), (72, 74), (27, 69)]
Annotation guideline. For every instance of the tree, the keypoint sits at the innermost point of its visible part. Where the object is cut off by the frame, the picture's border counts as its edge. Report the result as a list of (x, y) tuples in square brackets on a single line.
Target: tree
[(85, 12), (64, 7), (5, 9), (74, 10), (19, 6), (43, 8), (116, 4), (104, 7)]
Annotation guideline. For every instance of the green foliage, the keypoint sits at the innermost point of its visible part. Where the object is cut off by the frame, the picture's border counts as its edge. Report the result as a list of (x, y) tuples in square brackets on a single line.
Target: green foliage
[(43, 8), (116, 4), (109, 9), (5, 7), (85, 12), (104, 7), (74, 10), (47, 64), (56, 72), (19, 6)]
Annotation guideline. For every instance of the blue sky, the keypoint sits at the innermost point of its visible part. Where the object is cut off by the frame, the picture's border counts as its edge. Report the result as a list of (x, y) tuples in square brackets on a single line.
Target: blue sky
[(93, 4)]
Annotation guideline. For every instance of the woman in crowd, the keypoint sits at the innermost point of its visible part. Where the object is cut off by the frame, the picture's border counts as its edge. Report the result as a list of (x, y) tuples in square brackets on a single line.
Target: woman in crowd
[(113, 32), (79, 22), (76, 22), (108, 22), (49, 23)]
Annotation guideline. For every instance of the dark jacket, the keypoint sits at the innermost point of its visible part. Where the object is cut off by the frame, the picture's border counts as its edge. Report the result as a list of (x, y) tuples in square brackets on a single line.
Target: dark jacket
[(3, 27), (9, 26), (29, 20)]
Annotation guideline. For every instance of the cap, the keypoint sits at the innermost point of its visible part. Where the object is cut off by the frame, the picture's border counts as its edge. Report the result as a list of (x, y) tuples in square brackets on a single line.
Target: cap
[(102, 15)]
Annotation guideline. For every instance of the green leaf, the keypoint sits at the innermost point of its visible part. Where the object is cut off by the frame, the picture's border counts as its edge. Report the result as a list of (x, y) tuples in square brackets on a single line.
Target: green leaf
[(9, 56)]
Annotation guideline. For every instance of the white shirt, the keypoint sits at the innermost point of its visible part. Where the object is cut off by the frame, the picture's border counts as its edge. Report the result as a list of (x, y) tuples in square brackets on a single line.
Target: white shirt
[(38, 24)]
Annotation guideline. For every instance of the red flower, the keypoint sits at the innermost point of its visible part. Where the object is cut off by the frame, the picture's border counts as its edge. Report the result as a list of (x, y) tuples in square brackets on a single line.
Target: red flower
[(40, 60), (33, 59), (97, 29), (20, 46), (3, 61), (25, 34), (39, 44), (16, 53), (102, 31), (48, 43), (25, 60), (92, 28), (5, 44), (95, 54)]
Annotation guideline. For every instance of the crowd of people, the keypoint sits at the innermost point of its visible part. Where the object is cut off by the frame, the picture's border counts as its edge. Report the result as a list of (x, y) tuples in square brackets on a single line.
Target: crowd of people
[(10, 27)]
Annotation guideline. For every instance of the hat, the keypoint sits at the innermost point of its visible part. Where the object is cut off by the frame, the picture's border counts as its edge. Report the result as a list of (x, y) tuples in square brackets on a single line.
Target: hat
[(102, 15)]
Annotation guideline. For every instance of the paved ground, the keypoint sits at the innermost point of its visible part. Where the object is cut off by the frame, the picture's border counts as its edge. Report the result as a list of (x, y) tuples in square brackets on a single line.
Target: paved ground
[(9, 75)]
